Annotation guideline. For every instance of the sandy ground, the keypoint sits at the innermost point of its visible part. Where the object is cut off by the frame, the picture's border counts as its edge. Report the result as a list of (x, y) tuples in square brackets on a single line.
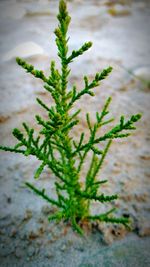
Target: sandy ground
[(121, 38)]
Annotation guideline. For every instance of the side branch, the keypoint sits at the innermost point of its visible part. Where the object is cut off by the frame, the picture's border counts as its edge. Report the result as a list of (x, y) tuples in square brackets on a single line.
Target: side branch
[(42, 194), (114, 133), (76, 53), (11, 149), (88, 86), (30, 68), (106, 218), (101, 198)]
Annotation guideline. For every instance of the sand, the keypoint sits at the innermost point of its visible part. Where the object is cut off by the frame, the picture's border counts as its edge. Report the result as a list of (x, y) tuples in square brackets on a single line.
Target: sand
[(121, 39)]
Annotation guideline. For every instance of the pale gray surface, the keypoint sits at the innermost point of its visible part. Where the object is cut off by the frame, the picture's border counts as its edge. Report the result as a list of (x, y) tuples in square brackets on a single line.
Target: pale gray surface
[(123, 41)]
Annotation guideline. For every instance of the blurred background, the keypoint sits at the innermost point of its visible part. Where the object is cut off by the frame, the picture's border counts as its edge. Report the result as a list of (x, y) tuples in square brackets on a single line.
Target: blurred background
[(120, 32)]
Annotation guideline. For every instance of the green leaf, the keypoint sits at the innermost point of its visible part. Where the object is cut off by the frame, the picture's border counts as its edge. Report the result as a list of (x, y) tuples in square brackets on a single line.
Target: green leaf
[(39, 170), (18, 134)]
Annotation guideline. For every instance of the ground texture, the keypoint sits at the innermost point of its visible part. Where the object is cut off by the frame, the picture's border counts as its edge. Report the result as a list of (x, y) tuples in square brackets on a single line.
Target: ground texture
[(120, 33)]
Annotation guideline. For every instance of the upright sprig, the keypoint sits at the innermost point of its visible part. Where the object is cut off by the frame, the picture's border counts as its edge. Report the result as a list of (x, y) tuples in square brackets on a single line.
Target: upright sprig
[(54, 147)]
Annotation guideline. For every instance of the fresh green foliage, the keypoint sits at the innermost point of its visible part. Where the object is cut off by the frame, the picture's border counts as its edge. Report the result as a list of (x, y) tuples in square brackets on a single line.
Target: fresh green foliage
[(54, 146)]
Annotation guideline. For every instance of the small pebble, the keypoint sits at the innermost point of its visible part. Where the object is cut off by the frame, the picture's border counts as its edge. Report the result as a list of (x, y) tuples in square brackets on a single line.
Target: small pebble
[(32, 235), (49, 254), (28, 215), (46, 209), (80, 248), (25, 50), (41, 220), (63, 248), (119, 10), (13, 232), (142, 72), (9, 200)]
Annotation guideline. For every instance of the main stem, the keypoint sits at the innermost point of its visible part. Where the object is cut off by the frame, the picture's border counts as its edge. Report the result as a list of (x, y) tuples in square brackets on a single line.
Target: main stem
[(76, 206)]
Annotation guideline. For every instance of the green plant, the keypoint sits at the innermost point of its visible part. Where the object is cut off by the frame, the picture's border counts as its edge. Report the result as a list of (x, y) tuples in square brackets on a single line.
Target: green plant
[(55, 147)]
